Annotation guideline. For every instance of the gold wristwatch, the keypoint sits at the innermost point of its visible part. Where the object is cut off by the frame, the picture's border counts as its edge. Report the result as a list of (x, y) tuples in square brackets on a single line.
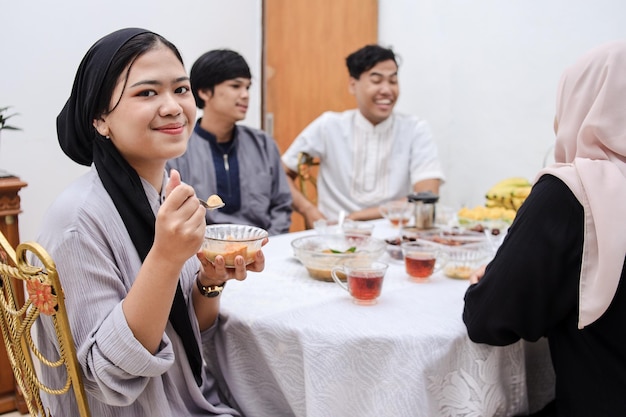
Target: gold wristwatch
[(210, 291)]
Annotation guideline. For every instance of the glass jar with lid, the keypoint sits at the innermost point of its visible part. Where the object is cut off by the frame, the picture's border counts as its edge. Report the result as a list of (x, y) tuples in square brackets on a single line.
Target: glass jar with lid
[(424, 208)]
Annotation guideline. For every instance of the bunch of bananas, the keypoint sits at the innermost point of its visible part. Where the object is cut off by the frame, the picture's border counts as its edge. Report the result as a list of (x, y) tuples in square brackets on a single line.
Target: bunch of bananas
[(509, 193)]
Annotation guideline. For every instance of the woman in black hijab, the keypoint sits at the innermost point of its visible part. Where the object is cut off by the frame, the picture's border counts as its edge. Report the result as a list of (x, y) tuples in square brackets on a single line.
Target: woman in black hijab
[(124, 237)]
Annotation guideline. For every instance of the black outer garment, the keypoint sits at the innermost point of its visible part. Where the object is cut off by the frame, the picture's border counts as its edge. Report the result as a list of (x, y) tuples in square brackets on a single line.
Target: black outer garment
[(530, 290)]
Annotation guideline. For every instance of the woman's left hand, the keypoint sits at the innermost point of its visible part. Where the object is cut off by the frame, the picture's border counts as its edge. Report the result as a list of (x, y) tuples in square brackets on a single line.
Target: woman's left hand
[(477, 274), (216, 272)]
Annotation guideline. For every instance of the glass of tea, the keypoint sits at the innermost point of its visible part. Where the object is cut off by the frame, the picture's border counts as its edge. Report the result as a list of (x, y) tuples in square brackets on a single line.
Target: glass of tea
[(420, 260), (363, 282), (399, 213)]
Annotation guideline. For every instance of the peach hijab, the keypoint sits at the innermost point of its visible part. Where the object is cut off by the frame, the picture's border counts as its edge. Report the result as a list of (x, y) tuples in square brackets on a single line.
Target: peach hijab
[(590, 155)]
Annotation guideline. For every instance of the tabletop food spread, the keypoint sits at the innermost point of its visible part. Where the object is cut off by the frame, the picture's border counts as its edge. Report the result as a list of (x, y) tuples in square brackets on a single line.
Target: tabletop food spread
[(293, 343)]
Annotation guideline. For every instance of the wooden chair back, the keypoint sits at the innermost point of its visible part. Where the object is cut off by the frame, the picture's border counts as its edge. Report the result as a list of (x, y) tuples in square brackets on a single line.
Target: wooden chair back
[(307, 173), (44, 296)]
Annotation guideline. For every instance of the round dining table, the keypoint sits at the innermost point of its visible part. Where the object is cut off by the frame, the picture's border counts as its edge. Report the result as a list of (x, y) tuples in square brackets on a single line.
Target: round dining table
[(290, 345)]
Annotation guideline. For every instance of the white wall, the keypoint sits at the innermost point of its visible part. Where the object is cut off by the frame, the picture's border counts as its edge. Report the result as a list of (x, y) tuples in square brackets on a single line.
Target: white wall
[(483, 73), (41, 45)]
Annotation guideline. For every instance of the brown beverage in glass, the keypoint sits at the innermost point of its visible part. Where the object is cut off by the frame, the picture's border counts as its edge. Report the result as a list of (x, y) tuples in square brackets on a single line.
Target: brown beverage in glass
[(363, 282), (396, 221), (420, 266), (365, 286), (419, 260)]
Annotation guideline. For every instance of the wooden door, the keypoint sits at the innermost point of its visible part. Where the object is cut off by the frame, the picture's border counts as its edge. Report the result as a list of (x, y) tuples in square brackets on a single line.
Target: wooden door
[(305, 48)]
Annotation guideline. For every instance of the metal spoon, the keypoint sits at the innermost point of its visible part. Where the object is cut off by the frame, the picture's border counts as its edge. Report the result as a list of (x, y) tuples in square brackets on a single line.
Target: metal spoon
[(214, 202)]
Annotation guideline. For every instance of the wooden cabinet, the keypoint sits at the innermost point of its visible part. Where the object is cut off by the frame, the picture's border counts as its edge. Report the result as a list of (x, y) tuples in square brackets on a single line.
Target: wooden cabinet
[(10, 398)]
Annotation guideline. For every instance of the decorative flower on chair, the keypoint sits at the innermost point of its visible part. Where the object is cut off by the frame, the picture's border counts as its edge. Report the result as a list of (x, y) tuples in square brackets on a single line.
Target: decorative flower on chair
[(40, 294)]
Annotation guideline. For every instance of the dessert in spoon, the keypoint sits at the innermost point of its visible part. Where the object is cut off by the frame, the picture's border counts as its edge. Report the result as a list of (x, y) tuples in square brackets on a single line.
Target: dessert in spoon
[(213, 202)]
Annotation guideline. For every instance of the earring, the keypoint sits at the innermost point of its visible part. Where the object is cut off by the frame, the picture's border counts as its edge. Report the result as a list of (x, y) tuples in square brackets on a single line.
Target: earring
[(107, 137)]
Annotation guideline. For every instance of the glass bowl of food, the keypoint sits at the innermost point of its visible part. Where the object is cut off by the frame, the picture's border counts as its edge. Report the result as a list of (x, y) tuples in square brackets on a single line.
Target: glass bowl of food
[(319, 253), (230, 240), (461, 251)]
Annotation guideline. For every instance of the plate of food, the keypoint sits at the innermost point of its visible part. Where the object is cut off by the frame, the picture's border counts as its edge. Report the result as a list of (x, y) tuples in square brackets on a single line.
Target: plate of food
[(494, 220)]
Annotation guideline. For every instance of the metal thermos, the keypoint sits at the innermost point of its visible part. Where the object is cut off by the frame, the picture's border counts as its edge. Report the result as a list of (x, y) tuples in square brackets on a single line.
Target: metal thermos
[(424, 206)]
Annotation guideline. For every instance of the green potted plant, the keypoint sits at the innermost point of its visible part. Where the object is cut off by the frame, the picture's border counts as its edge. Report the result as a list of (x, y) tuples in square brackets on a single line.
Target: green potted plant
[(4, 116)]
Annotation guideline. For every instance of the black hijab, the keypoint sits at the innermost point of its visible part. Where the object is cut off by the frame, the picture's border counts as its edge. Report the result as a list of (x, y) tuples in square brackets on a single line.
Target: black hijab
[(82, 143)]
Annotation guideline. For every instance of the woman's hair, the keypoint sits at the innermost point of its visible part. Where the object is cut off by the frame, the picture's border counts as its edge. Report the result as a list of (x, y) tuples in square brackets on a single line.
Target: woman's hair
[(366, 58), (215, 67), (125, 57)]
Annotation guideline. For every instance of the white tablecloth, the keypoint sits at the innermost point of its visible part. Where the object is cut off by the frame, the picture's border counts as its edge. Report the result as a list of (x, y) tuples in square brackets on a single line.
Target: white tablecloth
[(295, 346)]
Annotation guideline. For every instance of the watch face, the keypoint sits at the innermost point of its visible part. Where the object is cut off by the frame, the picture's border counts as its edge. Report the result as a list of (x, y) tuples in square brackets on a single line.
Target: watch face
[(210, 290), (212, 294)]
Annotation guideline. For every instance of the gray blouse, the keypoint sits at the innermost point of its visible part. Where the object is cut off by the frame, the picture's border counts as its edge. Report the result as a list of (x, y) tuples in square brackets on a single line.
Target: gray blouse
[(97, 264)]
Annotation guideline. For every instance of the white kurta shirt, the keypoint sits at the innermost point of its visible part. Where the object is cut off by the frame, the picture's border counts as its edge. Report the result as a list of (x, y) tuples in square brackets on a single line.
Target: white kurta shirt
[(364, 165)]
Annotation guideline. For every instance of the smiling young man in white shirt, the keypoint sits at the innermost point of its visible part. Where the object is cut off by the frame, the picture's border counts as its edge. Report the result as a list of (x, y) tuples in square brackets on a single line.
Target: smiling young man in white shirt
[(369, 155)]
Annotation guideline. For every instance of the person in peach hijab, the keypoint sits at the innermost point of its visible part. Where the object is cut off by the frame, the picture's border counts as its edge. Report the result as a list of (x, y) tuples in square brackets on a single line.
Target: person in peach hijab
[(560, 270)]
